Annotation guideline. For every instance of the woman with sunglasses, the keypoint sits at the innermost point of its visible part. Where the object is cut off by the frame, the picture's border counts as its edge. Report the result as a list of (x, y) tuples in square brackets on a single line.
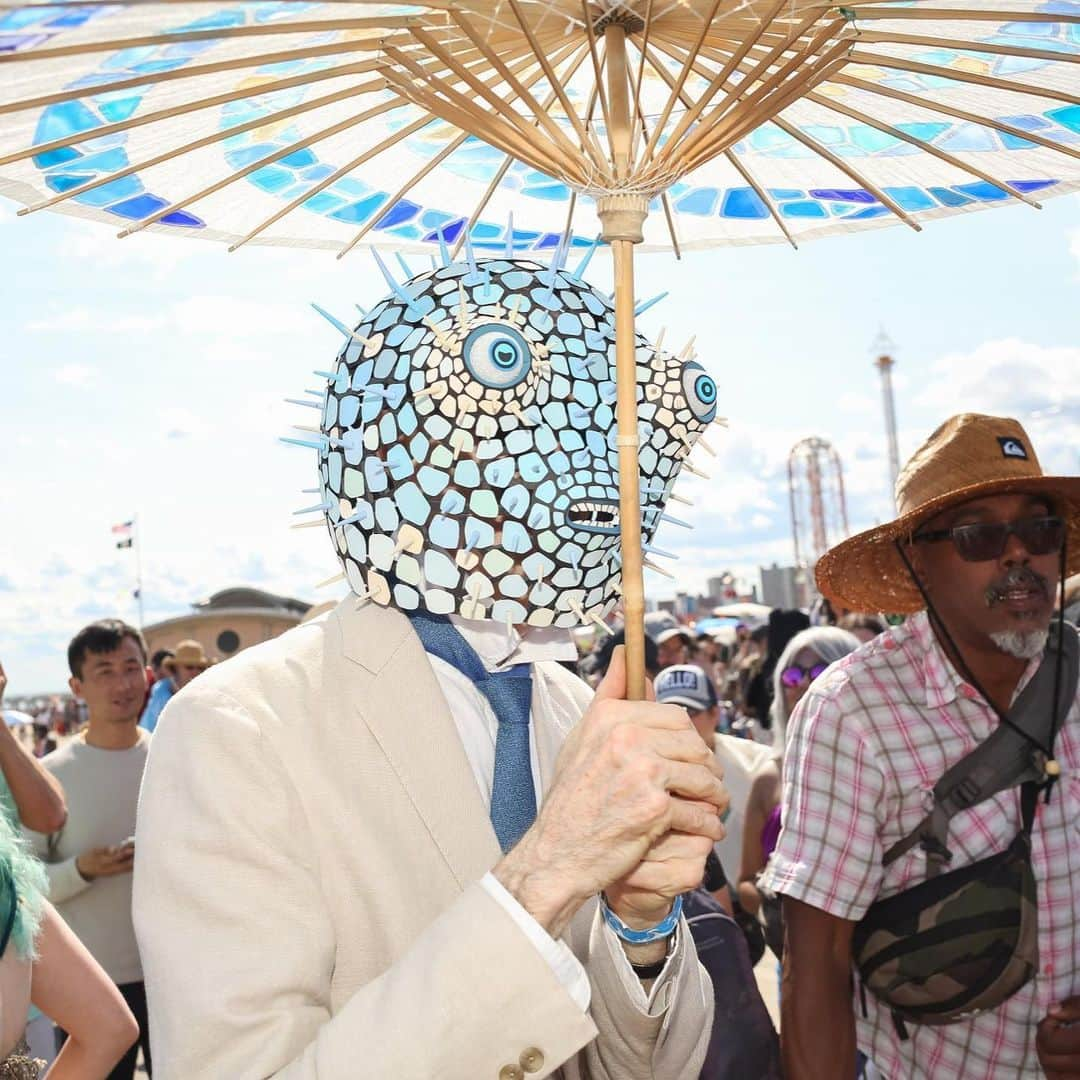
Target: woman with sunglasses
[(804, 658)]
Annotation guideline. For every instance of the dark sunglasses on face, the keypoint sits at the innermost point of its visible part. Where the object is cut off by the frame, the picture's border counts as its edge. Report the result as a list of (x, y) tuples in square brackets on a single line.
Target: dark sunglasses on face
[(987, 540), (794, 675)]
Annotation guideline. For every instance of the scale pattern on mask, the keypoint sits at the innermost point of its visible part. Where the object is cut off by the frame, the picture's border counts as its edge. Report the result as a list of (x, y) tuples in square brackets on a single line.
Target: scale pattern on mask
[(468, 459)]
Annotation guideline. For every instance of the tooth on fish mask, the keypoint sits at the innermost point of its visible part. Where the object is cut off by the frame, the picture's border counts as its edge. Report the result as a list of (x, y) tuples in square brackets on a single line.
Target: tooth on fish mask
[(467, 458)]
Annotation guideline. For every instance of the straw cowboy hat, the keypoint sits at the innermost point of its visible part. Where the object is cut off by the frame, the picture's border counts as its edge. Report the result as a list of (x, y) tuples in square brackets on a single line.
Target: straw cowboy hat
[(968, 457), (187, 654)]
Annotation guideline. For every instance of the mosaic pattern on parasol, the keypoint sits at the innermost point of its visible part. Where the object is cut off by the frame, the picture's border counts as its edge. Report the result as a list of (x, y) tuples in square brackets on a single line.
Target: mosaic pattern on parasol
[(789, 182)]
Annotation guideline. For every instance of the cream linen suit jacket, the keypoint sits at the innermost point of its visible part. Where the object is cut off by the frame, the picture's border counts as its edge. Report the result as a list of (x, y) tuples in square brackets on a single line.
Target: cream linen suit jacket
[(309, 842)]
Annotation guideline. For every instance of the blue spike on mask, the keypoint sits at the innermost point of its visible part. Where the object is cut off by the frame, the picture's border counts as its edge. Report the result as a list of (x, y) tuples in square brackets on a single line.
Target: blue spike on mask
[(396, 287), (318, 508), (323, 442), (301, 401), (340, 379), (646, 304), (444, 251), (406, 269), (509, 252), (582, 266), (650, 550), (337, 324)]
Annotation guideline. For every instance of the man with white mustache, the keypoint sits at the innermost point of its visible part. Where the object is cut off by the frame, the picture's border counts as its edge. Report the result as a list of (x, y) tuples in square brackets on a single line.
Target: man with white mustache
[(981, 538)]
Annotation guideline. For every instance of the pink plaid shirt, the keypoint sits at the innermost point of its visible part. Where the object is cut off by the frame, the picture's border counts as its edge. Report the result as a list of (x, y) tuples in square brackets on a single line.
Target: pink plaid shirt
[(864, 750)]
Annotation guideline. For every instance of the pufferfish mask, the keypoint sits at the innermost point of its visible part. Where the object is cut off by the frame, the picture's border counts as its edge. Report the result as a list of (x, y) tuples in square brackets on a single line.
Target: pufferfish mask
[(467, 453)]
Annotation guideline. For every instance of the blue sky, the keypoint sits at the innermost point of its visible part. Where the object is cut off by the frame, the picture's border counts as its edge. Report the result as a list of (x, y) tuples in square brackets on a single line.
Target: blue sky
[(147, 376)]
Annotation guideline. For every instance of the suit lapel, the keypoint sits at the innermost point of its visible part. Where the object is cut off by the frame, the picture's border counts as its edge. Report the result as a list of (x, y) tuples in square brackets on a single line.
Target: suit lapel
[(407, 713)]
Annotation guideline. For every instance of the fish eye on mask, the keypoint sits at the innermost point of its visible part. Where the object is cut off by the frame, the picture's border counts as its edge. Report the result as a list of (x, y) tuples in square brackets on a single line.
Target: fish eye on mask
[(497, 356), (700, 390)]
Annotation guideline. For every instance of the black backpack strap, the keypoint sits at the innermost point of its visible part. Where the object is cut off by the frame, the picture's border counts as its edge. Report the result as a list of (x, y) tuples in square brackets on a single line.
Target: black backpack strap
[(1010, 756)]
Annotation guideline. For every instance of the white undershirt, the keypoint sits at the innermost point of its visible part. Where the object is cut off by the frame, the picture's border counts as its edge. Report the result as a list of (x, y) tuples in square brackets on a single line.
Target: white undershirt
[(500, 647)]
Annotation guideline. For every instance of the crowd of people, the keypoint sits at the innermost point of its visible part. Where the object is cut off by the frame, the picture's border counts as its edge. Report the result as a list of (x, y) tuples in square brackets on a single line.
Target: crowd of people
[(302, 902)]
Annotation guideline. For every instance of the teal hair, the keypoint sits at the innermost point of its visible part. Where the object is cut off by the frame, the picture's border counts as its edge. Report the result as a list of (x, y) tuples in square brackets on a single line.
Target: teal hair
[(22, 877)]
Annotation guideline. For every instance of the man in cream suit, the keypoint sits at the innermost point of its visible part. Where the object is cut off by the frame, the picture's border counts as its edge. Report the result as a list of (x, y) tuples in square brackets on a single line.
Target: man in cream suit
[(320, 892)]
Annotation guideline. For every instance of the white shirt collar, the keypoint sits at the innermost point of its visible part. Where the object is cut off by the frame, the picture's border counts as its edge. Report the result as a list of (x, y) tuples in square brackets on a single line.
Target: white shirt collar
[(500, 646)]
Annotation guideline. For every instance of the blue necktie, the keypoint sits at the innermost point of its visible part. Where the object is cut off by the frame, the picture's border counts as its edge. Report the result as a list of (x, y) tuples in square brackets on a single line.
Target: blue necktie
[(513, 796)]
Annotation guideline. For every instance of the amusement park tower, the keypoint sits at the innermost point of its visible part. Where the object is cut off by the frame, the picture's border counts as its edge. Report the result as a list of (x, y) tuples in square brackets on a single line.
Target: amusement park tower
[(818, 507), (883, 349)]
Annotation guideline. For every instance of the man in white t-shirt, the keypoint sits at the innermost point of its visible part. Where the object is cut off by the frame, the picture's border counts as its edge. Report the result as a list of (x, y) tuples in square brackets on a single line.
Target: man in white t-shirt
[(90, 858)]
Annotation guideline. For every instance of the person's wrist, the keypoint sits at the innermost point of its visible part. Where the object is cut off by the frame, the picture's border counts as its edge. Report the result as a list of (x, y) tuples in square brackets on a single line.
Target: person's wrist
[(545, 892), (84, 874), (638, 914)]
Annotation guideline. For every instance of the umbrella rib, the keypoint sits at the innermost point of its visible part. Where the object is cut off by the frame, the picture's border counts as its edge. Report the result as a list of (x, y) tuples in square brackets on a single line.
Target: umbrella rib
[(926, 147), (845, 168), (453, 105), (438, 159), (541, 113), (402, 191), (598, 84), (335, 176), (641, 47), (742, 126), (182, 73), (960, 14), (959, 114), (588, 145), (209, 140), (758, 74), (761, 193), (744, 172), (720, 79), (269, 159), (468, 120), (496, 180), (363, 67), (500, 105), (887, 37), (761, 101), (224, 33), (673, 96), (858, 56)]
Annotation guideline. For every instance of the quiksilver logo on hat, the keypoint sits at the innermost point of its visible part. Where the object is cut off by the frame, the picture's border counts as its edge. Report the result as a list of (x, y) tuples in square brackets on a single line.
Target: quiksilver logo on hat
[(1012, 447)]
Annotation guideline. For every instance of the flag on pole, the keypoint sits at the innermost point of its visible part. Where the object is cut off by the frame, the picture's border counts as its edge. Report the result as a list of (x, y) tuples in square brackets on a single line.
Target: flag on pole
[(124, 530)]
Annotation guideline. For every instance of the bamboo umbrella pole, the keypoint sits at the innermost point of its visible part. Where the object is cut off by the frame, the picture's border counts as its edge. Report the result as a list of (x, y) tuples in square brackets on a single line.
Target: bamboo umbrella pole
[(622, 216)]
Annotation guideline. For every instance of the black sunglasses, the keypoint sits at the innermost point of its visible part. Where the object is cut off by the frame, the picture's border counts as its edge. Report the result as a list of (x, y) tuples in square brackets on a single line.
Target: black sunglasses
[(987, 540)]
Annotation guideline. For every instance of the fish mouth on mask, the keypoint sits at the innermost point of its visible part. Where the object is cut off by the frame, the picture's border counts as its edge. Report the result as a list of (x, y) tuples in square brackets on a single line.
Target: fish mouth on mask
[(595, 516)]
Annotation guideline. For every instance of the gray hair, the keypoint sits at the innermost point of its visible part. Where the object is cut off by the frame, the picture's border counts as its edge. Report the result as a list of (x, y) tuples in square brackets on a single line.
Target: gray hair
[(830, 643)]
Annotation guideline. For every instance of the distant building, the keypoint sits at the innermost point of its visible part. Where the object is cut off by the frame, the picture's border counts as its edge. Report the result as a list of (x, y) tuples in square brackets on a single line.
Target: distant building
[(228, 622), (786, 586)]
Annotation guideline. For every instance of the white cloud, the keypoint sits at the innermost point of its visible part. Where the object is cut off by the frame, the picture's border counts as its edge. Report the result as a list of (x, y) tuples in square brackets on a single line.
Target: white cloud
[(75, 374), (181, 424)]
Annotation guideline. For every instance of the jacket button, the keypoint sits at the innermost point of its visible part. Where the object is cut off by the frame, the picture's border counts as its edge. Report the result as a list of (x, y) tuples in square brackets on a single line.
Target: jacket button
[(531, 1060), (511, 1072)]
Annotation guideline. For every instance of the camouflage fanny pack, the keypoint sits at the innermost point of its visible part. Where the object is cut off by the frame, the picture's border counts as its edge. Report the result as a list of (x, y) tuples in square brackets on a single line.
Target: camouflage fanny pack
[(965, 941)]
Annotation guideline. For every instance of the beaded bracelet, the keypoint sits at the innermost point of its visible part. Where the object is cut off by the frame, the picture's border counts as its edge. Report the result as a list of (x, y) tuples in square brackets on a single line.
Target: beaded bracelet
[(641, 937)]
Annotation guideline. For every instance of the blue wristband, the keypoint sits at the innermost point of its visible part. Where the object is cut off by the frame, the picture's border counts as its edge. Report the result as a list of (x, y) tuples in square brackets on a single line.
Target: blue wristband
[(642, 937)]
